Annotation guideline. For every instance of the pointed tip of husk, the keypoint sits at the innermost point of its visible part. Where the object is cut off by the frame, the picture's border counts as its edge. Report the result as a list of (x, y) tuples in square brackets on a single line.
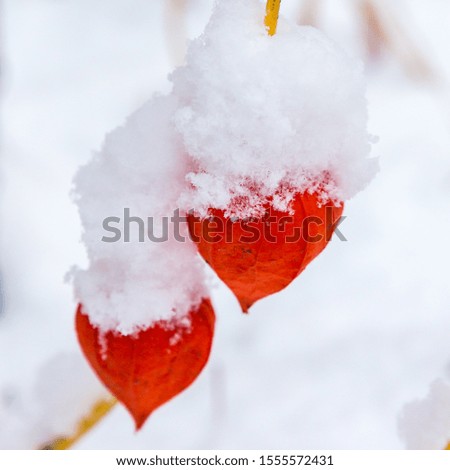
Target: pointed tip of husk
[(245, 305), (139, 420)]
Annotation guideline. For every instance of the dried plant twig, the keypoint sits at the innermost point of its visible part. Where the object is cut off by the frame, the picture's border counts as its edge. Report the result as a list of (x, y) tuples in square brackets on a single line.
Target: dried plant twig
[(385, 33), (175, 27), (309, 13), (98, 411)]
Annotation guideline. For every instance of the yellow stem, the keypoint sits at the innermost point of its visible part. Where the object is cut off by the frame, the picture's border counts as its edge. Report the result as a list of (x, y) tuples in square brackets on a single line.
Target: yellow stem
[(448, 447), (271, 19), (98, 411)]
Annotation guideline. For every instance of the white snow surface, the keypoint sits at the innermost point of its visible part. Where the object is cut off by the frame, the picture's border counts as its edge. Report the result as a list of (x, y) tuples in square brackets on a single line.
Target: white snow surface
[(425, 424), (133, 282), (262, 115)]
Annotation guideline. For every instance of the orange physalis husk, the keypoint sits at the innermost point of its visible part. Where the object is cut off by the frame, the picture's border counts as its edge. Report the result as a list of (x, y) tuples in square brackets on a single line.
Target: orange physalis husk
[(145, 370), (260, 256)]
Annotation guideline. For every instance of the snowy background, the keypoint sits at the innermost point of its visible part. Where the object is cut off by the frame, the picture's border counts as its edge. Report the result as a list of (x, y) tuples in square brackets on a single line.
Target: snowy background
[(329, 362)]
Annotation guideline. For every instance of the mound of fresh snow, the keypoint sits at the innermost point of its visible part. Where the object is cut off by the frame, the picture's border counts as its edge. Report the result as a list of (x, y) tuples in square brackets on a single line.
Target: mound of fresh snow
[(261, 115), (130, 285)]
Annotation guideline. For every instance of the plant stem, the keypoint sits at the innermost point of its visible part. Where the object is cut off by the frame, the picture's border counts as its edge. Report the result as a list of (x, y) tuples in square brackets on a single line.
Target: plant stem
[(98, 411), (175, 28), (271, 19)]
